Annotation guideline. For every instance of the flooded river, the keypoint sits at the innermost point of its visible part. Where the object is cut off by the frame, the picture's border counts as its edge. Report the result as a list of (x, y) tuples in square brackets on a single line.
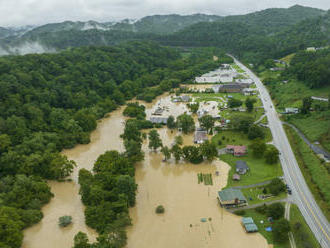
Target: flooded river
[(173, 185)]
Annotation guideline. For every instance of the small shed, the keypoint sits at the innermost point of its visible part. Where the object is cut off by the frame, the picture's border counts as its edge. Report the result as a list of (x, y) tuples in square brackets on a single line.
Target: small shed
[(236, 177), (250, 228)]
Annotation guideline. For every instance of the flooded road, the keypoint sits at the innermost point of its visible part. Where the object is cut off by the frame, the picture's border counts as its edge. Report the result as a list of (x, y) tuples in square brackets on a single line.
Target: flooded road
[(173, 185)]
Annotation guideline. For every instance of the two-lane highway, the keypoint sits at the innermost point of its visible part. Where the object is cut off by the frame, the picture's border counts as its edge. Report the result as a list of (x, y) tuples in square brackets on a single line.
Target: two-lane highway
[(301, 194)]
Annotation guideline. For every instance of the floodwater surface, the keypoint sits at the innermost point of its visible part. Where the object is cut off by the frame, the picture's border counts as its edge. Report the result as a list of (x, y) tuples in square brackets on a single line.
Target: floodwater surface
[(173, 185)]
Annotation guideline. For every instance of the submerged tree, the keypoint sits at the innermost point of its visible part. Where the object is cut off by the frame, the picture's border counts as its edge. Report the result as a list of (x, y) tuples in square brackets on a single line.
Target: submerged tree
[(154, 140), (186, 123), (166, 152)]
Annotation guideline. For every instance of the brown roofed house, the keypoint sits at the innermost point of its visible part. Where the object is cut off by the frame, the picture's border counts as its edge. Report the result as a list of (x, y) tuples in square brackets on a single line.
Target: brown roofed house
[(237, 151)]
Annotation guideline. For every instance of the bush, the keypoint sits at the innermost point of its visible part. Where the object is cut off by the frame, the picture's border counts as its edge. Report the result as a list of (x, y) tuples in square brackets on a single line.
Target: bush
[(240, 212), (262, 209), (276, 186), (275, 210), (280, 230), (160, 209), (64, 221)]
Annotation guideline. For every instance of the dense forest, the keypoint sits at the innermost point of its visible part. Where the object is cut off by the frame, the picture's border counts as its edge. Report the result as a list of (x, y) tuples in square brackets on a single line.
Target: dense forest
[(312, 68), (52, 101)]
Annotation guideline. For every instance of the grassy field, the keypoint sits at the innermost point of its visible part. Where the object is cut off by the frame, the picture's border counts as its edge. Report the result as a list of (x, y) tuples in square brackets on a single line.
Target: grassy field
[(257, 217), (315, 126), (302, 235), (288, 58), (315, 173), (252, 193)]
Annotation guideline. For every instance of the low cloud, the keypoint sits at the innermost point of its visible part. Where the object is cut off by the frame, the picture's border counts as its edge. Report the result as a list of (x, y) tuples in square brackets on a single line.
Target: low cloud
[(36, 12)]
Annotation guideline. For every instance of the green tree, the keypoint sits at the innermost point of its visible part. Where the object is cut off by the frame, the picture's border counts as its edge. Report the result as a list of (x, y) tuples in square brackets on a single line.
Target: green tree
[(193, 107), (171, 122), (178, 140), (64, 221), (166, 152), (154, 140), (234, 103), (276, 186), (276, 210), (208, 150), (81, 241), (207, 122), (307, 103), (186, 123), (258, 147), (5, 142), (271, 155), (126, 185), (176, 152), (281, 228), (249, 102), (255, 132)]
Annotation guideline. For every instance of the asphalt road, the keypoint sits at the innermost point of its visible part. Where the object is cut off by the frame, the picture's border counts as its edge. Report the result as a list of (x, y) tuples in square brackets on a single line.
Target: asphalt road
[(301, 194)]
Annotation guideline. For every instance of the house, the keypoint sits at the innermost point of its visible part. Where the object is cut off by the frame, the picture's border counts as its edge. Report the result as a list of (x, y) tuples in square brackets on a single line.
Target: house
[(237, 151), (245, 81), (291, 110), (185, 98), (242, 167), (277, 69), (249, 225), (200, 136), (158, 111), (158, 119), (231, 88), (230, 198), (236, 177), (249, 91)]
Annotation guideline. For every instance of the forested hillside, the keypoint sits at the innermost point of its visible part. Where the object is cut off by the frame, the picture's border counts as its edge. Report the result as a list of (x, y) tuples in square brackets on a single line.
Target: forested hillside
[(312, 68), (270, 32), (52, 101)]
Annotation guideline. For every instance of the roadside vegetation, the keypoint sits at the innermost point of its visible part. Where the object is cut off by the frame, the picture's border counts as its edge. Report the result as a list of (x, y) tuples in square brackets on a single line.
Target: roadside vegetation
[(316, 172), (302, 234)]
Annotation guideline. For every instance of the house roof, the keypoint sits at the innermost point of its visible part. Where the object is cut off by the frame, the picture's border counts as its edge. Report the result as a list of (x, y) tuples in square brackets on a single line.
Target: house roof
[(251, 227), (230, 86), (241, 165), (158, 119), (200, 136), (231, 194), (237, 149)]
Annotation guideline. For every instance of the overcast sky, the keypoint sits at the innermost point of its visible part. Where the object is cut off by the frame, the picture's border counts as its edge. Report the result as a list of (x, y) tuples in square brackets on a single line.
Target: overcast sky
[(36, 12)]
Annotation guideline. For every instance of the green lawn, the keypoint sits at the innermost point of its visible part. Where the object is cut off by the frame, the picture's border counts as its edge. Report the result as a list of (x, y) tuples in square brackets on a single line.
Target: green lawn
[(237, 68), (315, 172), (254, 192), (302, 235), (257, 217), (259, 170)]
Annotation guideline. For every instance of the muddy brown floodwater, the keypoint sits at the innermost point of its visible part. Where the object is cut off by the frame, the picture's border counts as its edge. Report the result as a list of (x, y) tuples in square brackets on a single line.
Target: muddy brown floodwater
[(173, 185)]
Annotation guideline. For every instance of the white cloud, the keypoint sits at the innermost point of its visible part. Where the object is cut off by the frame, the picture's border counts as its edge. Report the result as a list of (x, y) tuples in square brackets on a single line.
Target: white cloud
[(27, 12)]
